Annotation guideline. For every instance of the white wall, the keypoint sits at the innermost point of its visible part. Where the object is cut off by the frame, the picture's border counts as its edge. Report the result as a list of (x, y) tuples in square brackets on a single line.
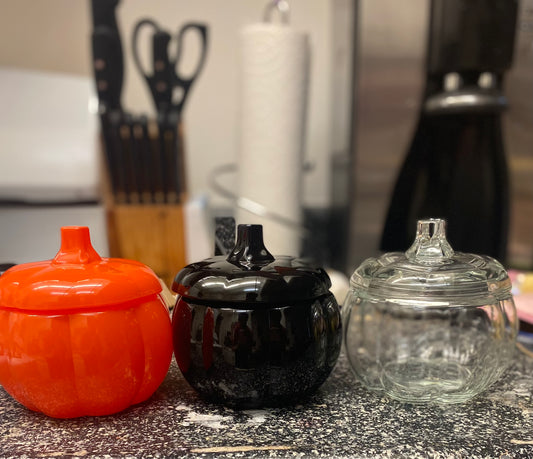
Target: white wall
[(54, 35)]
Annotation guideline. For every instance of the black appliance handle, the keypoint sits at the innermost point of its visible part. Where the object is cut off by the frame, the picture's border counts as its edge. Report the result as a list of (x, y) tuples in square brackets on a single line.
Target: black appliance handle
[(471, 36)]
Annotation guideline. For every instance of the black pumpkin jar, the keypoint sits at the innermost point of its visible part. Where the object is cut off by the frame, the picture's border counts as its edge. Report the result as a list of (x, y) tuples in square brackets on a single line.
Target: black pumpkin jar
[(252, 330)]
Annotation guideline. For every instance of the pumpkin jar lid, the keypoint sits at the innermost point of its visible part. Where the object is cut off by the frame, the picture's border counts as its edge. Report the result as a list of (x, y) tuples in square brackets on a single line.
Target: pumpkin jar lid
[(250, 274), (431, 270), (77, 279)]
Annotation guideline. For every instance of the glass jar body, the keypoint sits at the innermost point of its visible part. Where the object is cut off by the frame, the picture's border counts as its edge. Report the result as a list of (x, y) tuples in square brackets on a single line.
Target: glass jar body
[(428, 350)]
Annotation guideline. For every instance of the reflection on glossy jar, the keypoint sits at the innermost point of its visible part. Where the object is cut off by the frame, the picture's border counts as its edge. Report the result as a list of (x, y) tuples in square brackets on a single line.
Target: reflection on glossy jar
[(253, 330), (430, 325)]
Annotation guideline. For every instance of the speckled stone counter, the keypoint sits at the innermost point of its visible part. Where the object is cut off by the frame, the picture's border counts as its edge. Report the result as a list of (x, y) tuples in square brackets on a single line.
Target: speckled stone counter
[(341, 420)]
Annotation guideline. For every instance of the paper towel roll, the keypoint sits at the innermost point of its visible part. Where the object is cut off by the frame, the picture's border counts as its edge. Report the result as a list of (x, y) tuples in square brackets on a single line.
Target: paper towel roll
[(273, 102)]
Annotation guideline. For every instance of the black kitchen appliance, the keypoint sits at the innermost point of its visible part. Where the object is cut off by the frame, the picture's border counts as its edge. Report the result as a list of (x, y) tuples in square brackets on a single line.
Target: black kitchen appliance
[(456, 166)]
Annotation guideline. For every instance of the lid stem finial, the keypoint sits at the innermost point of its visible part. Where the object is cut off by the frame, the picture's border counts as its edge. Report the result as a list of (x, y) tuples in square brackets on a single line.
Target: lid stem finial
[(76, 246), (430, 244), (250, 250)]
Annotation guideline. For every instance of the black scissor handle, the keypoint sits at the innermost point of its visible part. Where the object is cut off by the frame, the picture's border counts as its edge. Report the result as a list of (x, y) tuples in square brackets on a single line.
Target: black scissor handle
[(164, 78), (135, 44), (186, 82)]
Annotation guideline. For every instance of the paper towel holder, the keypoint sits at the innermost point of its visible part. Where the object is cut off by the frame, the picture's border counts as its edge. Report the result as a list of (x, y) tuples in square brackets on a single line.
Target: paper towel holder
[(282, 6)]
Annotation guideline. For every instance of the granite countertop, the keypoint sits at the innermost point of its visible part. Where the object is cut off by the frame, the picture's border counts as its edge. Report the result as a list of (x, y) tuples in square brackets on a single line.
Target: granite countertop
[(342, 419)]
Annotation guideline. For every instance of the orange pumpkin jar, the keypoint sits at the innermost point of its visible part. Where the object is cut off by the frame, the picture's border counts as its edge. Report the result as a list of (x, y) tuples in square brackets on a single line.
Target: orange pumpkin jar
[(82, 335)]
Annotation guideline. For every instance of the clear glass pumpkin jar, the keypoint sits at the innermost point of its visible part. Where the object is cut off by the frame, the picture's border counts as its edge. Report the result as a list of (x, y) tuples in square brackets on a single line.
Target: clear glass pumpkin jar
[(429, 325)]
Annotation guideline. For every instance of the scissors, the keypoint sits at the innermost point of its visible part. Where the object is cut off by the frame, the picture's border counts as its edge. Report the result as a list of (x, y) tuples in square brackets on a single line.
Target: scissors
[(168, 87)]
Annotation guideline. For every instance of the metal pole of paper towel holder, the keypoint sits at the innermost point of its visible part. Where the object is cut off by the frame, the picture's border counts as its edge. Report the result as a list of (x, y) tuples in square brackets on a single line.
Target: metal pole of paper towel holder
[(253, 206), (283, 8)]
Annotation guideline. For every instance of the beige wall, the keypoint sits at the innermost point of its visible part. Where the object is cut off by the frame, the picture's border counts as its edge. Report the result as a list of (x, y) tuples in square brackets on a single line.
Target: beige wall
[(45, 34)]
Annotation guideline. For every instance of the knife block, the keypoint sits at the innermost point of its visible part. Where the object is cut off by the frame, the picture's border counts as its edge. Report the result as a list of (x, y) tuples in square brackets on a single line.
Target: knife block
[(152, 234)]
